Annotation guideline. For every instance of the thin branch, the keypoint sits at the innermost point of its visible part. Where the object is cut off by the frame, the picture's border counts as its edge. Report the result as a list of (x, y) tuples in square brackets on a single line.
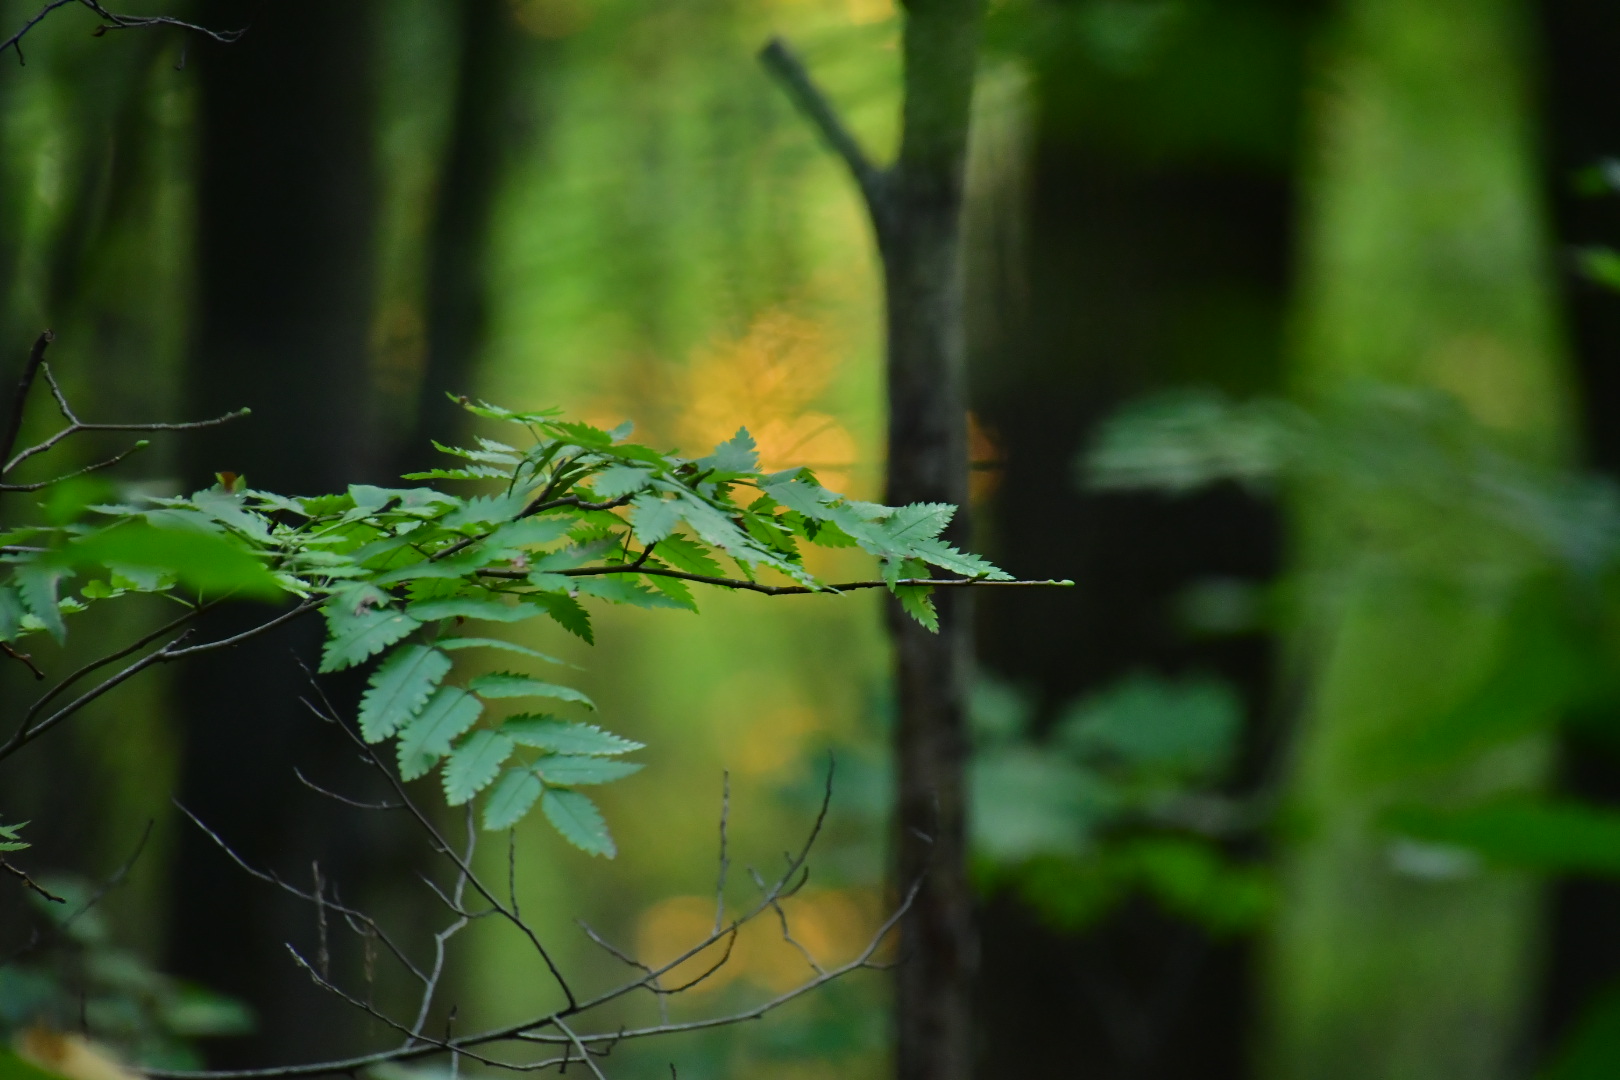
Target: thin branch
[(112, 21), (76, 426), (744, 585), (725, 861), (293, 890), (782, 62), (167, 654), (25, 659), (28, 882)]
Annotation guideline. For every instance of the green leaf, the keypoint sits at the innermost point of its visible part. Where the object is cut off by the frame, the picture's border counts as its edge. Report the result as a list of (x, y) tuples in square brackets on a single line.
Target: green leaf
[(359, 637), (506, 684), (917, 602), (473, 765), (569, 770), (567, 613), (808, 499), (918, 521), (491, 609), (513, 797), (565, 737), (1538, 835), (530, 532), (943, 555), (617, 480), (11, 611), (399, 688), (207, 562), (684, 553), (618, 589), (736, 455), (497, 643), (579, 821), (449, 713), (37, 585), (654, 518)]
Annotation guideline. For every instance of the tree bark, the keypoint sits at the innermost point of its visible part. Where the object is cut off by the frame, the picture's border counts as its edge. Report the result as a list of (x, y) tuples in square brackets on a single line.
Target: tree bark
[(916, 210)]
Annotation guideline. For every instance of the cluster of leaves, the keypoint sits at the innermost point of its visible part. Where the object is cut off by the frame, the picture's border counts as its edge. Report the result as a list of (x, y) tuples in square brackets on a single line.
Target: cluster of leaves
[(577, 514), (74, 975), (1118, 796)]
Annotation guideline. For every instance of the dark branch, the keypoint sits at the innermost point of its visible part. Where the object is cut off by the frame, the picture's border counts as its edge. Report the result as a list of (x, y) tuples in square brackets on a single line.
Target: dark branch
[(113, 21), (789, 70), (25, 383)]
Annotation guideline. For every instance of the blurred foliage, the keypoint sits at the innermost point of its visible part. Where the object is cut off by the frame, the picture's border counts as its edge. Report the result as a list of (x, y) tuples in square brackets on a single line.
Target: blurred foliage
[(70, 975), (1119, 796)]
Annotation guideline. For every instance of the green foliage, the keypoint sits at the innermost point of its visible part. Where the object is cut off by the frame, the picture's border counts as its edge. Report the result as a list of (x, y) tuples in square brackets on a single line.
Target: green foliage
[(73, 971), (579, 514), (1115, 799), (10, 840)]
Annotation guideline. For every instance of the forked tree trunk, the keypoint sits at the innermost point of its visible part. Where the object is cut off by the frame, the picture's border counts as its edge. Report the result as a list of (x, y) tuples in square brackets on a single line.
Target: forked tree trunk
[(916, 209)]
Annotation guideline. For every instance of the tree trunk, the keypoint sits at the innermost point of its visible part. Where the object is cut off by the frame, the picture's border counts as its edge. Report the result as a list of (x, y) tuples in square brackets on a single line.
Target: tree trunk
[(919, 236), (286, 204), (916, 211)]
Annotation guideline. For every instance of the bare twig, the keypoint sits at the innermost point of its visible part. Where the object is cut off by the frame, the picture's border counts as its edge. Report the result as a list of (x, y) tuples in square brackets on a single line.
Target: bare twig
[(28, 882), (76, 426), (112, 21), (789, 70)]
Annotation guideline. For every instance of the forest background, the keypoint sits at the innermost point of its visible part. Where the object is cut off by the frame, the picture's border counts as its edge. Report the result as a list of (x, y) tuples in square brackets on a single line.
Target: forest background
[(1305, 779)]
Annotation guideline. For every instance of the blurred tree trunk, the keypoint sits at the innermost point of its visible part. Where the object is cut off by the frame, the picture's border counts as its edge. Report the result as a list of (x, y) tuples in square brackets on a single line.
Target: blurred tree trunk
[(286, 207), (915, 207), (1155, 253), (1581, 36), (493, 119), (1424, 265), (919, 236)]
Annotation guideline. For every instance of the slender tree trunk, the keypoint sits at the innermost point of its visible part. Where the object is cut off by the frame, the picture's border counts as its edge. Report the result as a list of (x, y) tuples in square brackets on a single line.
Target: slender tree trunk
[(916, 210), (920, 240)]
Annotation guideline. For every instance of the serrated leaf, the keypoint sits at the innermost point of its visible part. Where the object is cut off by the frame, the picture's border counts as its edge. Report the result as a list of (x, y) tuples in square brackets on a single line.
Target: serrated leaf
[(579, 821), (568, 613), (570, 770), (917, 602), (488, 608), (471, 472), (684, 553), (497, 643), (359, 637), (426, 739), (11, 612), (616, 589), (506, 684), (399, 688), (37, 586), (473, 765), (918, 521), (513, 797), (653, 518), (566, 737), (808, 499), (943, 555), (736, 455), (617, 480), (530, 532)]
